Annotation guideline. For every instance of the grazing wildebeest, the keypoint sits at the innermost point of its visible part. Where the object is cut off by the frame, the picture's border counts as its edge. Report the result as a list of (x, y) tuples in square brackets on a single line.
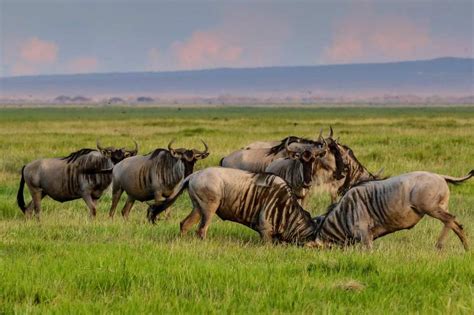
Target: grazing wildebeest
[(82, 174), (153, 177), (376, 208), (257, 159), (298, 169), (263, 202)]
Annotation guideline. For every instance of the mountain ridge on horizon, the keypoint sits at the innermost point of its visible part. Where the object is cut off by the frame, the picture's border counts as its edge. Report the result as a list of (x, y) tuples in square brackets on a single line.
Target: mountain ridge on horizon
[(440, 76)]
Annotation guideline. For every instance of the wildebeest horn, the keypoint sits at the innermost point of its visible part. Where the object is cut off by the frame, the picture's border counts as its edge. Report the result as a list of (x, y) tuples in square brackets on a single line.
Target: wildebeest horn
[(206, 148), (169, 145), (320, 137), (136, 147), (331, 132), (292, 154), (98, 145)]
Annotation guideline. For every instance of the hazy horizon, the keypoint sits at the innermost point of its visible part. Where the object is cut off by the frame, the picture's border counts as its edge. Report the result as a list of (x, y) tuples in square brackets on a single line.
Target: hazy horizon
[(70, 36)]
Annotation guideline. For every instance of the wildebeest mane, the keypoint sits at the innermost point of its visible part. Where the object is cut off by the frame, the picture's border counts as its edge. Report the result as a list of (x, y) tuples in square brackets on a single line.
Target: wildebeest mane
[(291, 139), (349, 172), (364, 181), (340, 167), (157, 152), (71, 158)]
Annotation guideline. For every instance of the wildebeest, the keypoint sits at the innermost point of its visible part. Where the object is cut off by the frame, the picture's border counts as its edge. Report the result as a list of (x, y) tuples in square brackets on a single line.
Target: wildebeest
[(298, 169), (84, 174), (263, 202), (376, 208), (340, 169), (258, 158), (153, 177)]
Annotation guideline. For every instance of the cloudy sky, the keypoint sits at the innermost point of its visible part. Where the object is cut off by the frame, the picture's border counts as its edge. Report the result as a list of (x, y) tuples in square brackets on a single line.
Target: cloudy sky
[(80, 36)]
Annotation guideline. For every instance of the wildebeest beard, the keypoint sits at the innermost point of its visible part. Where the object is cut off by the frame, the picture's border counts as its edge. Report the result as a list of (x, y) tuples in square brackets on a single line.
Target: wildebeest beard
[(340, 168)]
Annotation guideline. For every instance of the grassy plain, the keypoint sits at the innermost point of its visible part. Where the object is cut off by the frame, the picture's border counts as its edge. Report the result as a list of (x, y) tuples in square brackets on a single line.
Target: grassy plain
[(68, 264)]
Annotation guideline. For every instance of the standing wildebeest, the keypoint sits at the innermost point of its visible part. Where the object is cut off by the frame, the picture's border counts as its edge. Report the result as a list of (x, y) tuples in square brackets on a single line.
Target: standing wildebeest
[(298, 169), (153, 177), (263, 202), (82, 174), (376, 208), (260, 156)]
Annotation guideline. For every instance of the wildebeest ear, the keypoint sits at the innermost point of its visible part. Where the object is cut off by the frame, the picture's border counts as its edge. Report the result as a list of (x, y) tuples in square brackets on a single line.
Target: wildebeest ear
[(202, 156)]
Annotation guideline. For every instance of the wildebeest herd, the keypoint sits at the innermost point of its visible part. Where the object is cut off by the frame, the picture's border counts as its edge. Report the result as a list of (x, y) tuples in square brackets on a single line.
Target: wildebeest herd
[(264, 186)]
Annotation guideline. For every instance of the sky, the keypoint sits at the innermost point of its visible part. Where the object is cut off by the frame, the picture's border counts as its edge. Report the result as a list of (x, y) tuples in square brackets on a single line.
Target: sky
[(84, 36)]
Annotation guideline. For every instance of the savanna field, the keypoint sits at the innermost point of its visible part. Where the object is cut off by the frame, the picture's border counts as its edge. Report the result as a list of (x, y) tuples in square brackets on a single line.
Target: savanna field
[(66, 263)]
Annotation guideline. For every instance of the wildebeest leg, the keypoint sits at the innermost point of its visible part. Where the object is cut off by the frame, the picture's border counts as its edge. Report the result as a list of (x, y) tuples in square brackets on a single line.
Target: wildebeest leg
[(128, 206), (159, 199), (366, 238), (29, 209), (190, 220), (450, 222), (36, 196), (90, 202), (206, 217), (264, 228), (116, 193)]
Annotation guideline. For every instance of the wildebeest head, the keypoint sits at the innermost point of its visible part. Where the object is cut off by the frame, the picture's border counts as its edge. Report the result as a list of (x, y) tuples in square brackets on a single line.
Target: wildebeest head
[(308, 158), (117, 154), (188, 156)]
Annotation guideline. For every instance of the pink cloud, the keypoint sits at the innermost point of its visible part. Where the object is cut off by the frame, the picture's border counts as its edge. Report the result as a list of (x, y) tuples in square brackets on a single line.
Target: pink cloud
[(364, 38), (206, 49), (370, 37), (242, 39), (83, 65), (37, 51)]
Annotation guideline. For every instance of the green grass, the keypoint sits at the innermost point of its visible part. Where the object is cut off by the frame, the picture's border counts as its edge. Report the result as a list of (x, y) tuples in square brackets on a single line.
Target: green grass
[(67, 264)]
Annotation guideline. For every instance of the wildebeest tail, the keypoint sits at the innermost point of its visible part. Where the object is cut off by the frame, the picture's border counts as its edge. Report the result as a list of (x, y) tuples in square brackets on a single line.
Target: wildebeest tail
[(458, 180), (20, 200), (155, 210)]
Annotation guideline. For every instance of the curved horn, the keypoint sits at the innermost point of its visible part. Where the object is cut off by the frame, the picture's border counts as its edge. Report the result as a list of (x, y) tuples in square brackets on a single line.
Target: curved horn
[(98, 145), (286, 144), (320, 137), (292, 154), (331, 132), (206, 148), (136, 147), (169, 145)]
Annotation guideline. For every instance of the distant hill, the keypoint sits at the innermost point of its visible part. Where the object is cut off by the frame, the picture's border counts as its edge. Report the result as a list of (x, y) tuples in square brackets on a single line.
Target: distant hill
[(443, 76)]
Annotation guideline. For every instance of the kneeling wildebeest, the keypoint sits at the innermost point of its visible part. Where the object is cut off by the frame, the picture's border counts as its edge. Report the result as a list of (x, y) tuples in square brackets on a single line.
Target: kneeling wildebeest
[(82, 174), (263, 202), (153, 177), (377, 208)]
